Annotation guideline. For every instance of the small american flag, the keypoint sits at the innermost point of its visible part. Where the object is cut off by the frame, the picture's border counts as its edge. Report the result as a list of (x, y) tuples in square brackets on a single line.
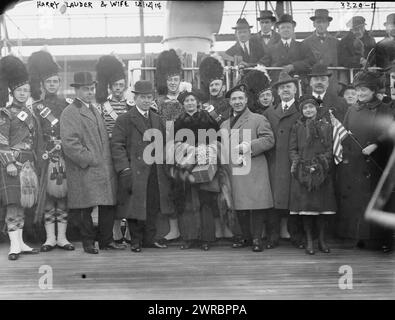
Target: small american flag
[(339, 134)]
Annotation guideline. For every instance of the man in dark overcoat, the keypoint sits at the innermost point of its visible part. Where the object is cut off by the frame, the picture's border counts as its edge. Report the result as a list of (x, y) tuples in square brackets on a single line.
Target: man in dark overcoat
[(144, 187), (246, 46), (295, 57), (268, 36), (91, 179), (385, 49), (282, 117)]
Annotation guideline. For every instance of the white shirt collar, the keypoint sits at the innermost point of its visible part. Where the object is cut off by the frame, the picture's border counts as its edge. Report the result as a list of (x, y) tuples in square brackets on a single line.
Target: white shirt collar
[(288, 103), (287, 41), (247, 43), (315, 95), (143, 113)]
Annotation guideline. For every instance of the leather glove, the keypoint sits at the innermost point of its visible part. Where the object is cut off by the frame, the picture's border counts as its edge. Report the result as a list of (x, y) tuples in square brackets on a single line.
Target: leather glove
[(125, 186)]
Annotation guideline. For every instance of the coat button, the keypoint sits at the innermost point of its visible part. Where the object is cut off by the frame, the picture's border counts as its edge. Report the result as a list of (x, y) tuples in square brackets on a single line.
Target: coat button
[(138, 158)]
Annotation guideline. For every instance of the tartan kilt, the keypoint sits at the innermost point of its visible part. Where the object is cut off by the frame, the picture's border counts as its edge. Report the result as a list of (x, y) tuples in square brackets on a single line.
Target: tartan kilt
[(10, 187)]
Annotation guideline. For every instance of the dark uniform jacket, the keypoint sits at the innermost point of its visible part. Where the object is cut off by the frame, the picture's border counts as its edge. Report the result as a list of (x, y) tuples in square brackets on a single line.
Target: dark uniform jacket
[(352, 49), (385, 52)]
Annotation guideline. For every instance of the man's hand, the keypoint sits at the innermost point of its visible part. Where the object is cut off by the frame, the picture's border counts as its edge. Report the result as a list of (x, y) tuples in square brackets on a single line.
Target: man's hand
[(244, 147), (363, 61), (369, 149), (12, 170)]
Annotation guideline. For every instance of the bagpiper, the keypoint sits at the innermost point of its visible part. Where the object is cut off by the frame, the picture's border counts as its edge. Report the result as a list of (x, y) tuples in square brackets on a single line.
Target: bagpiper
[(19, 138), (111, 79), (48, 106)]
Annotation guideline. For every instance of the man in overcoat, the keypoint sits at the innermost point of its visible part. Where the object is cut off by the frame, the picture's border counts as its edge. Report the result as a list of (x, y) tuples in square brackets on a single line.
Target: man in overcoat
[(251, 191), (268, 36), (385, 49), (295, 57), (282, 117), (91, 179), (246, 46), (144, 186)]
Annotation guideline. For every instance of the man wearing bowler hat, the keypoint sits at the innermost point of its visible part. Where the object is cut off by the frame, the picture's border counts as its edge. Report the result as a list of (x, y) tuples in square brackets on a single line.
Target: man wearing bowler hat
[(355, 46), (267, 35), (246, 46), (143, 186), (282, 117), (90, 173), (385, 49), (322, 91), (323, 45), (295, 57)]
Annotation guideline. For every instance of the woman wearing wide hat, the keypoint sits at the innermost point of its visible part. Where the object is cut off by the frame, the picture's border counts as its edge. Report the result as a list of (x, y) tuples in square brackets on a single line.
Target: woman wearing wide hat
[(312, 194), (197, 205), (20, 140), (365, 154)]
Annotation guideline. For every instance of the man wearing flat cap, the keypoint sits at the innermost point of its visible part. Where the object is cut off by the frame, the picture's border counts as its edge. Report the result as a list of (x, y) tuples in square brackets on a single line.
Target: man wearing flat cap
[(249, 134), (385, 49), (282, 117), (355, 46), (246, 46), (323, 45), (143, 186), (295, 57), (267, 35), (90, 172)]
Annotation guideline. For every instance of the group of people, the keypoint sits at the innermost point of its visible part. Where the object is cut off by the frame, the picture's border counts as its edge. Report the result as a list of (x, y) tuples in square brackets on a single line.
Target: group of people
[(299, 160)]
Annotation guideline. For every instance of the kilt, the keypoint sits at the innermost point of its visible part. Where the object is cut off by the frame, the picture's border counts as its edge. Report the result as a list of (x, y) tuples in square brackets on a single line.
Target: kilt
[(10, 187)]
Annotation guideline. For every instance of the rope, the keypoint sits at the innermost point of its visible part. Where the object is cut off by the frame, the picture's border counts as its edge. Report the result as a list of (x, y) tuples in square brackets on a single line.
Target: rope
[(374, 12), (242, 10)]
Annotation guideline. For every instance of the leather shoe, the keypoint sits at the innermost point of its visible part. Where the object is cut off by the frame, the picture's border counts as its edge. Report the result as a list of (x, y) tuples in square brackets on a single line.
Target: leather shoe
[(256, 246), (205, 246), (113, 246), (33, 251), (67, 247), (187, 245), (135, 248), (241, 244), (271, 245), (13, 256), (46, 248), (387, 248), (323, 248), (91, 250)]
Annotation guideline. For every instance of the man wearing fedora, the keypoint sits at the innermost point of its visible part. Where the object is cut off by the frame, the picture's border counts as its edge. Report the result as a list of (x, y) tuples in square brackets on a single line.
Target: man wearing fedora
[(144, 187), (246, 46), (323, 45), (355, 46), (267, 35), (322, 91), (295, 57), (282, 117), (91, 178), (385, 49)]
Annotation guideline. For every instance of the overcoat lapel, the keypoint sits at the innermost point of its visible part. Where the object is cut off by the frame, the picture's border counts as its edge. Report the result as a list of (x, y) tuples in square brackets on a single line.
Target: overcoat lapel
[(137, 121)]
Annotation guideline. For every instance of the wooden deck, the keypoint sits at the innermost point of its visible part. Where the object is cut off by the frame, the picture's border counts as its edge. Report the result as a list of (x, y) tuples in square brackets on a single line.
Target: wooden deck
[(221, 273)]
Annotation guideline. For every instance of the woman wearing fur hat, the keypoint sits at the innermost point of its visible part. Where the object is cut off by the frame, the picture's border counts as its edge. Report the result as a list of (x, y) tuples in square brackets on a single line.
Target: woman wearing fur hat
[(365, 153), (19, 140), (196, 205), (312, 191), (52, 203), (168, 86)]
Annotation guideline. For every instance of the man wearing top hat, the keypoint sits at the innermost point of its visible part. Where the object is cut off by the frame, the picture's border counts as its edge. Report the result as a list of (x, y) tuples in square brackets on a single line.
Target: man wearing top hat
[(282, 117), (322, 91), (246, 46), (144, 188), (385, 49), (91, 178), (295, 57), (355, 46), (267, 35), (323, 45)]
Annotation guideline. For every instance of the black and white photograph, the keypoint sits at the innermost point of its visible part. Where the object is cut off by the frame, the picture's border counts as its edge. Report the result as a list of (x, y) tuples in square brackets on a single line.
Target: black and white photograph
[(185, 152)]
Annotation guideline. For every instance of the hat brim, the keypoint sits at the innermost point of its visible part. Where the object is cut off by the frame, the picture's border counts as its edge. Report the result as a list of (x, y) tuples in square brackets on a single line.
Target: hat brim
[(275, 85), (143, 92), (316, 17), (238, 88), (281, 22), (238, 28), (267, 18), (310, 75), (76, 85)]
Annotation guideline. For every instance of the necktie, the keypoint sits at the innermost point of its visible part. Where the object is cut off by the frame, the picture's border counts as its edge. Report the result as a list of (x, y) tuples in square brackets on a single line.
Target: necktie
[(285, 108), (322, 38), (319, 97), (286, 45), (146, 114), (245, 49), (266, 36)]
